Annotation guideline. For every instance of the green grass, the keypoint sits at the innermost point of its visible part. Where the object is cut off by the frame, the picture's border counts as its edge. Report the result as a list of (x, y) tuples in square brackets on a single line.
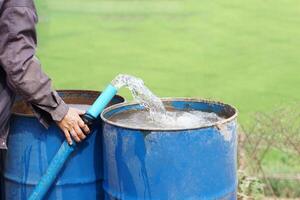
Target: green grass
[(278, 162), (245, 53)]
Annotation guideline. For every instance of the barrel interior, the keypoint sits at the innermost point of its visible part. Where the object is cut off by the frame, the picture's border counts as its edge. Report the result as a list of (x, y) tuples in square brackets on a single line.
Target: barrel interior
[(85, 97), (225, 111)]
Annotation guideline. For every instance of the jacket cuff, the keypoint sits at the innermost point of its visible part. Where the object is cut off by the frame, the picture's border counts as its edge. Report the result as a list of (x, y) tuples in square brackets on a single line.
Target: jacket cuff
[(60, 111)]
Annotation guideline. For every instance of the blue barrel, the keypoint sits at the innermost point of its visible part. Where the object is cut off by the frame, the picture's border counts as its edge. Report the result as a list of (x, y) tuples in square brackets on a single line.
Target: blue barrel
[(1, 176), (31, 147), (178, 164)]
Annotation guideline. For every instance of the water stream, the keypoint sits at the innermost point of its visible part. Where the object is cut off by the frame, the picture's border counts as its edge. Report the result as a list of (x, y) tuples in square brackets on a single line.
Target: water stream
[(155, 114)]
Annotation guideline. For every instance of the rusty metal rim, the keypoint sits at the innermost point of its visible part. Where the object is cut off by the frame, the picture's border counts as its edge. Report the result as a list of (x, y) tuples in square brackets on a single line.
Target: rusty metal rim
[(168, 99), (92, 92)]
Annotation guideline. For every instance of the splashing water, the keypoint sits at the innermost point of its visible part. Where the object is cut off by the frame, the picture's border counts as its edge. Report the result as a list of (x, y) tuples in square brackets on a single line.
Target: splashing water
[(157, 116), (142, 95)]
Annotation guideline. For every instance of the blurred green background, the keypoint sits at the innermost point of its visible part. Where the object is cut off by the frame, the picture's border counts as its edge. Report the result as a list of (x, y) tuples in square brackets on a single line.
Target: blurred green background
[(245, 53)]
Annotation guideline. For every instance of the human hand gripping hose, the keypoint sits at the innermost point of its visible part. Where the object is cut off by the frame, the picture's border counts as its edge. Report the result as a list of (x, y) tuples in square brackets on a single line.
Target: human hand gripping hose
[(66, 150)]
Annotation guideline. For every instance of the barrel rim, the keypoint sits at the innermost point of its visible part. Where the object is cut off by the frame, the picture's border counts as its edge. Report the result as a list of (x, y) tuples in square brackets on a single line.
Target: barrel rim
[(68, 91), (168, 99)]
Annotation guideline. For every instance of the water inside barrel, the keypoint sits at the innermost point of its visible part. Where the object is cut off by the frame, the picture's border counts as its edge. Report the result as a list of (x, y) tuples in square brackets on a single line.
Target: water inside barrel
[(176, 119)]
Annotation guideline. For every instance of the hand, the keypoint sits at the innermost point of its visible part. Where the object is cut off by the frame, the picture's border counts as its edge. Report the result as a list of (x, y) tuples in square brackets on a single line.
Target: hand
[(73, 126)]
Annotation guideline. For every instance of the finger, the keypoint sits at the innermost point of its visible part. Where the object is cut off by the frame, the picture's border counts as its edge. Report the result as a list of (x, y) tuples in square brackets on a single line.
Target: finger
[(68, 137), (74, 135), (84, 127), (79, 132)]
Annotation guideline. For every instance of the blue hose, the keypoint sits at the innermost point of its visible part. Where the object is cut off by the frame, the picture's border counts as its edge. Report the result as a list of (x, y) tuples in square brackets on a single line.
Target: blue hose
[(102, 101), (66, 150)]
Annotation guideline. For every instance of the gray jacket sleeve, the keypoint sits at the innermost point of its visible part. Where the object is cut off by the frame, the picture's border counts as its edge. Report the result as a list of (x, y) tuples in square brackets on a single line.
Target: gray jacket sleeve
[(17, 57)]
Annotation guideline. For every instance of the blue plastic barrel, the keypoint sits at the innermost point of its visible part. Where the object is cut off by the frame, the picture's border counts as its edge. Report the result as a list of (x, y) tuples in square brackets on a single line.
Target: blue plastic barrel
[(178, 164), (1, 176), (31, 147)]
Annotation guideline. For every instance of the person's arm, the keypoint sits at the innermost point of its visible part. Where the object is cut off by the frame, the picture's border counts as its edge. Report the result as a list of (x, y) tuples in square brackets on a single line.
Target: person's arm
[(23, 70)]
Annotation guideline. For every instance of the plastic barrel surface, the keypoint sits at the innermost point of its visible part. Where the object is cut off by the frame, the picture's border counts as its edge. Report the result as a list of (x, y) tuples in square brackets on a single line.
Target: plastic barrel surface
[(178, 164), (31, 147)]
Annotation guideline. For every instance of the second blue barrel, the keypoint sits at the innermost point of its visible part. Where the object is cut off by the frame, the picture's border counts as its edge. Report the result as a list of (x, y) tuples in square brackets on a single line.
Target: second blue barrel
[(176, 164), (1, 176), (31, 147)]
